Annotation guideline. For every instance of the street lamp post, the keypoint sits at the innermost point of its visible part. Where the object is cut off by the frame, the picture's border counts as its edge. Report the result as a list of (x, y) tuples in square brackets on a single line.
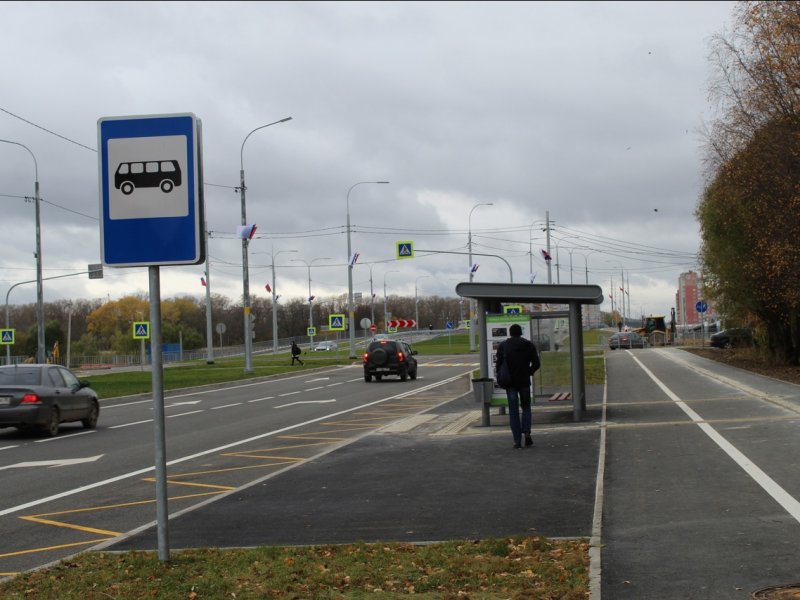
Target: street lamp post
[(622, 289), (40, 341), (416, 301), (350, 311), (248, 336), (471, 275), (385, 320), (275, 302), (310, 303)]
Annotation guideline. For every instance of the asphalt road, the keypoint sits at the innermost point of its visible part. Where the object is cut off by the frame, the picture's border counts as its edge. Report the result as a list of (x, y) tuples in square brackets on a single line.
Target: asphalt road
[(66, 494)]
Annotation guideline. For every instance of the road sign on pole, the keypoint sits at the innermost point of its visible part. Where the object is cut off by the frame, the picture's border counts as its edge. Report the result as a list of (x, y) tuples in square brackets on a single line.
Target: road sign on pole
[(405, 249), (141, 330), (701, 306), (6, 336), (151, 190)]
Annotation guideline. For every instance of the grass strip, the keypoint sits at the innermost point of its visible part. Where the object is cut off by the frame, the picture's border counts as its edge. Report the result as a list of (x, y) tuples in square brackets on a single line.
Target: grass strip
[(523, 568)]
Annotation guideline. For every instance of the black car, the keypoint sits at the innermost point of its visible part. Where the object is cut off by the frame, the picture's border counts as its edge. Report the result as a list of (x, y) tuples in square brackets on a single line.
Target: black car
[(731, 338), (389, 357), (626, 339), (43, 397)]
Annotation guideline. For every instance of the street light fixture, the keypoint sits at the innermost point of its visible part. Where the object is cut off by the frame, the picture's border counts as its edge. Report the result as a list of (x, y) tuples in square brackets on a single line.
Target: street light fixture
[(416, 300), (350, 264), (310, 303), (40, 341), (385, 320), (248, 335), (471, 274)]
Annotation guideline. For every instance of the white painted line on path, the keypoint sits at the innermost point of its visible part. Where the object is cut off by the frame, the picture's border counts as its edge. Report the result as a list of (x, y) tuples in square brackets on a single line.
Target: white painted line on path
[(226, 406), (769, 485), (130, 424)]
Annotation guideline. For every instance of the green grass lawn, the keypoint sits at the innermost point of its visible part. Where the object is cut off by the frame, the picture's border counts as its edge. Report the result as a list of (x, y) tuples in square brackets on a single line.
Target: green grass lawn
[(555, 367)]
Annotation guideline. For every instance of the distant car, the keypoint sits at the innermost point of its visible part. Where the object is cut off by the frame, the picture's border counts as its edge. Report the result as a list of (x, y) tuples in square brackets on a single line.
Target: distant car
[(389, 357), (326, 347), (732, 338), (44, 396), (626, 339)]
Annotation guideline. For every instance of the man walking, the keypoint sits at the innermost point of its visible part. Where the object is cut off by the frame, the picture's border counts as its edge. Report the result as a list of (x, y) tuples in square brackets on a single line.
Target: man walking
[(521, 359), (296, 353)]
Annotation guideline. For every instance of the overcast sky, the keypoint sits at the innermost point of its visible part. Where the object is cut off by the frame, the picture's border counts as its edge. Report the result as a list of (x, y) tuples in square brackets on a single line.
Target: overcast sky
[(588, 110)]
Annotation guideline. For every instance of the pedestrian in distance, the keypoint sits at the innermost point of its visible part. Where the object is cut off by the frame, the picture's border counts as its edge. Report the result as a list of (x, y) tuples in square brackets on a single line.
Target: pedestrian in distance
[(517, 361), (296, 352)]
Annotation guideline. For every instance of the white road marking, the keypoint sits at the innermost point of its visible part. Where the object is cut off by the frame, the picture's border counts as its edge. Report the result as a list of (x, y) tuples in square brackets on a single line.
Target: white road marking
[(184, 403), (306, 402), (64, 437), (226, 406), (59, 462), (769, 485), (318, 379), (8, 447), (130, 424), (314, 388), (260, 399), (193, 412), (288, 394)]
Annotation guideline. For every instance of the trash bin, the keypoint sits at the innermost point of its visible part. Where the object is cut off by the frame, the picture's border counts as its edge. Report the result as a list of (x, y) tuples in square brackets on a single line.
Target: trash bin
[(483, 388)]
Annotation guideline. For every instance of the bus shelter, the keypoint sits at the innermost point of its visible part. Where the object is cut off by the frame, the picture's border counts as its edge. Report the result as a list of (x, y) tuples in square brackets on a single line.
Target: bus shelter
[(490, 298)]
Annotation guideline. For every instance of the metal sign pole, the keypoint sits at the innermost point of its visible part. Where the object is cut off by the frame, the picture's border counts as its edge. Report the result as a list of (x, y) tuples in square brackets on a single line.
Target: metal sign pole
[(158, 414)]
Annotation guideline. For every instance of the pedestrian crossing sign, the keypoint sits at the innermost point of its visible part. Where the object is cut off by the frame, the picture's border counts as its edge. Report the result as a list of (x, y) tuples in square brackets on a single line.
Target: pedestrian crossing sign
[(311, 331), (141, 330), (512, 309), (405, 249), (336, 322), (6, 337)]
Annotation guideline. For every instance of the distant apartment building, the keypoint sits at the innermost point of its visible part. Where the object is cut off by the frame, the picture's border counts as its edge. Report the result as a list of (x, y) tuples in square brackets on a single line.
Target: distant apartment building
[(690, 291)]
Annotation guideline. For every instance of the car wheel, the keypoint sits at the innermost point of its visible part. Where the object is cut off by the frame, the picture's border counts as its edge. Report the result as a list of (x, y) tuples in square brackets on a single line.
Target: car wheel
[(126, 188), (367, 377), (403, 375), (90, 422), (51, 427), (413, 374), (166, 186), (727, 345)]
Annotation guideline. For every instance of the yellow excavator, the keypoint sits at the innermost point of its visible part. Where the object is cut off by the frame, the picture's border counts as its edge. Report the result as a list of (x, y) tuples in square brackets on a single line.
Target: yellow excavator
[(653, 324)]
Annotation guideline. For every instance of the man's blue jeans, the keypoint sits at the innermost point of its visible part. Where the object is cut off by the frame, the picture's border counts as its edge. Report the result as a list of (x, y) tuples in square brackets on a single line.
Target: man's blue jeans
[(517, 396)]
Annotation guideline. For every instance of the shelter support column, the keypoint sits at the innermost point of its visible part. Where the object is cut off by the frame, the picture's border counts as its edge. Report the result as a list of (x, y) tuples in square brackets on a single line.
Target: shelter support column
[(576, 360)]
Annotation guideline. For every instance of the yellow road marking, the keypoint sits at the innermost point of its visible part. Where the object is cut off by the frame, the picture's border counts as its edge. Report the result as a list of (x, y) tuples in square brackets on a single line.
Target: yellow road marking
[(49, 548), (70, 526), (223, 488)]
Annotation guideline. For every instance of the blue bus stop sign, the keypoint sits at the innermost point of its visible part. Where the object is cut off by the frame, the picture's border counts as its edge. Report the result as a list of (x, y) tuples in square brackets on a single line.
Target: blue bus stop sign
[(151, 190)]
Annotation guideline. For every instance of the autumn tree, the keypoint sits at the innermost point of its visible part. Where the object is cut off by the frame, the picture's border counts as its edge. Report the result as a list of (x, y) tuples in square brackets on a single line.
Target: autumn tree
[(747, 214)]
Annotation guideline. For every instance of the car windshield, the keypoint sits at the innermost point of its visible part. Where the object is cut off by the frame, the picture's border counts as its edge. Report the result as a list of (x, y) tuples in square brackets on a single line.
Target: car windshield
[(20, 376)]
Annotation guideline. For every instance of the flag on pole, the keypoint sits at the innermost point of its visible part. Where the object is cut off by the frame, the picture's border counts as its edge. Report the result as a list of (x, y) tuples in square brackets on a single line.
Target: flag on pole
[(474, 268), (246, 232), (533, 277), (546, 255), (311, 299), (203, 281), (269, 289), (354, 259)]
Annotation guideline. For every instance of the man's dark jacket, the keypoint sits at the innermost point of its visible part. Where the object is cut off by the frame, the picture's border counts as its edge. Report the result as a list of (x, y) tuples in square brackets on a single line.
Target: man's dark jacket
[(522, 359)]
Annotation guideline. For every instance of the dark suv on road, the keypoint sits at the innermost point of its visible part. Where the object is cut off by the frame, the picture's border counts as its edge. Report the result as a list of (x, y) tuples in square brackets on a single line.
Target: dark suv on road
[(389, 357)]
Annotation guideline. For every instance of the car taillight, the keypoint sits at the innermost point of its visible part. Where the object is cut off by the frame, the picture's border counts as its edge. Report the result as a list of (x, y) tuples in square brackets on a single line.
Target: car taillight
[(366, 356), (400, 356), (30, 399)]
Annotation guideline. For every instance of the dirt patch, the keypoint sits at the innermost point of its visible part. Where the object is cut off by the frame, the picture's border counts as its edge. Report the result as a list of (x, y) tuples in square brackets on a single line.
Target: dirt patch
[(744, 359)]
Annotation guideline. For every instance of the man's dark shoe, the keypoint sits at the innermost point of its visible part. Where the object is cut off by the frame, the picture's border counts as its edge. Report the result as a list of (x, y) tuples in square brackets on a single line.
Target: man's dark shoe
[(517, 446), (528, 440)]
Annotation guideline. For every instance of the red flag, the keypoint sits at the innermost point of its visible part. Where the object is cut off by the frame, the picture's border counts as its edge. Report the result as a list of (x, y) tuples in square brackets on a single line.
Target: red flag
[(203, 281), (269, 289)]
